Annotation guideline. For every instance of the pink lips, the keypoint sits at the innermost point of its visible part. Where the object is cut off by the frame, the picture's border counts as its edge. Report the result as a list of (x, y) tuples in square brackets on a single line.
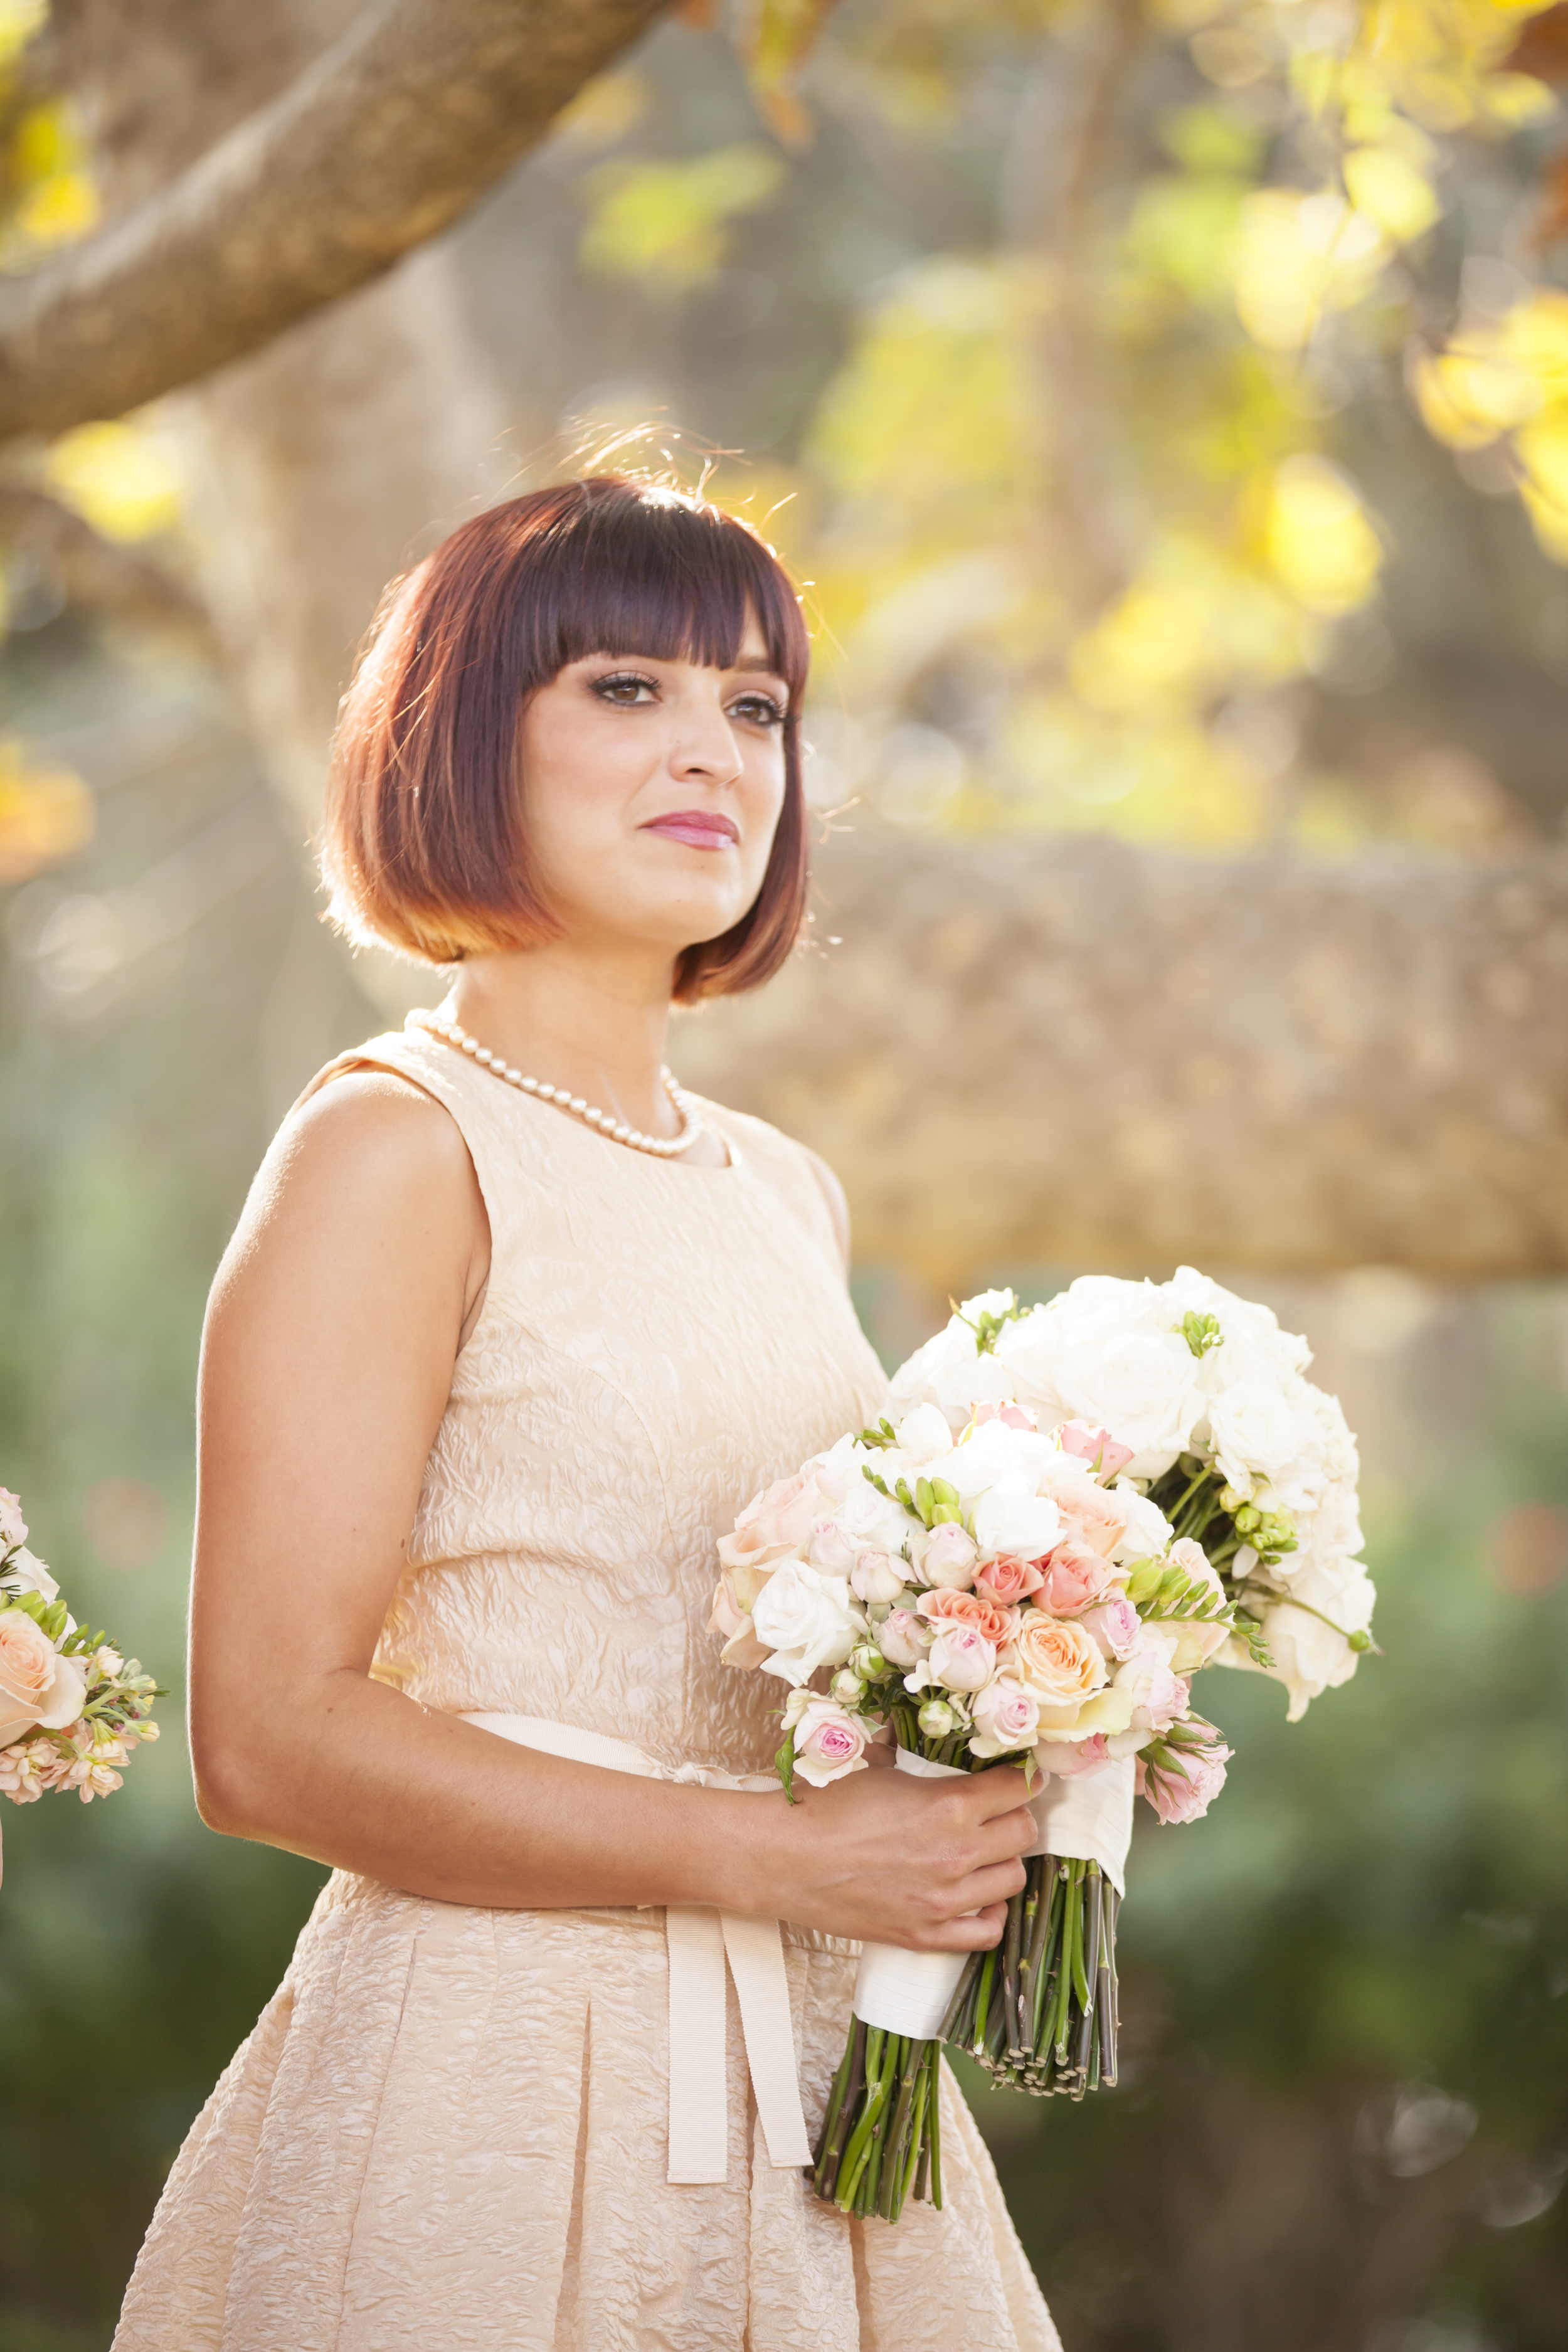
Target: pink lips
[(699, 828)]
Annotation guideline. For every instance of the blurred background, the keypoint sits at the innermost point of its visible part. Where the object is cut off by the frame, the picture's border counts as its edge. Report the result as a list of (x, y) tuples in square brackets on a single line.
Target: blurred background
[(1167, 404)]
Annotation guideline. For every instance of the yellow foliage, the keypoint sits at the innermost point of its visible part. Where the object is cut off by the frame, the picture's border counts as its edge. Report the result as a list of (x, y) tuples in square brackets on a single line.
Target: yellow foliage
[(1321, 546), (930, 416), (1388, 189), (121, 476), (603, 111), (665, 222), (1298, 257), (56, 199), (46, 814), (19, 20)]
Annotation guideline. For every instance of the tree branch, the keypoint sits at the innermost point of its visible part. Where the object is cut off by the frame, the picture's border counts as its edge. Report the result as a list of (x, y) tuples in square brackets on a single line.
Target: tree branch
[(378, 145), (94, 575)]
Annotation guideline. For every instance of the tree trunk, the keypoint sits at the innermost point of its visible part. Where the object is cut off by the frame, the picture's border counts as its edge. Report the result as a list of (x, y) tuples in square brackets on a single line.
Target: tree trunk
[(1066, 1052)]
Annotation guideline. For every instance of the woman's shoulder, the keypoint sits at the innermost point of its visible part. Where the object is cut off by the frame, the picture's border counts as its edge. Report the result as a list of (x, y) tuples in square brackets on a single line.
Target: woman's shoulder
[(799, 1173)]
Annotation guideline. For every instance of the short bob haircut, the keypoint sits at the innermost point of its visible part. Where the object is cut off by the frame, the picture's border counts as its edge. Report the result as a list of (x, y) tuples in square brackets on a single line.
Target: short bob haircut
[(424, 847)]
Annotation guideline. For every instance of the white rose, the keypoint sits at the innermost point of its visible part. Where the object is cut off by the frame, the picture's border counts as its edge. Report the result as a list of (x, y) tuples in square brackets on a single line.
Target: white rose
[(1311, 1655), (1102, 1351), (949, 1371), (871, 1521), (924, 1434), (1011, 1519), (13, 1525), (903, 1638), (1148, 1529), (807, 1619), (831, 1550), (1250, 1334), (1256, 1433), (29, 1575), (995, 1451), (876, 1576)]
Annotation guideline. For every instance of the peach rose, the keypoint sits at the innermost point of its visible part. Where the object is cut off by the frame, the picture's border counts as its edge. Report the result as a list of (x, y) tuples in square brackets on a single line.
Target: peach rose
[(1093, 1517), (1074, 1577), (777, 1521), (1008, 1581), (742, 1648), (1058, 1660), (36, 1685), (996, 1625)]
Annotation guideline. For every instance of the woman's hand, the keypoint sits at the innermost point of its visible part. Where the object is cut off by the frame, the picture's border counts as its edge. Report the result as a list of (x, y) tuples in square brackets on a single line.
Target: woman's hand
[(892, 1858)]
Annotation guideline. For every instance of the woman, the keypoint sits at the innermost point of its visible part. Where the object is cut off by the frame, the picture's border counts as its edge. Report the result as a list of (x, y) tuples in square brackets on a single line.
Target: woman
[(510, 1329)]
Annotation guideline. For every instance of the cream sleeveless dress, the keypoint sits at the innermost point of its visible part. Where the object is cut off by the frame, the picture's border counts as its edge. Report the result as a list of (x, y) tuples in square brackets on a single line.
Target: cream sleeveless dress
[(447, 2132)]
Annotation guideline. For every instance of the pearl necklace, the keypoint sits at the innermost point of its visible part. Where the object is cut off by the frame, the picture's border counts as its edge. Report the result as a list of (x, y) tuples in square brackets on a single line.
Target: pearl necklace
[(662, 1146)]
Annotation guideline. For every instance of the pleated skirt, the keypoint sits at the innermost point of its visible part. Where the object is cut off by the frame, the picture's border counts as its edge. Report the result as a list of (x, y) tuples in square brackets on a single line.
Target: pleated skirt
[(448, 2133)]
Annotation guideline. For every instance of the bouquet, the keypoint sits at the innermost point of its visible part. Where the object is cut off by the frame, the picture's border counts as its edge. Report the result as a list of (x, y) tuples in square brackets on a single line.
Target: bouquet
[(71, 1708), (1076, 1509)]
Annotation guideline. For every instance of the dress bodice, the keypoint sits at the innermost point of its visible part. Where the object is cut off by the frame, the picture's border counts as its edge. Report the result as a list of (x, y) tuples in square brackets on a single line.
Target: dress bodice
[(656, 1343)]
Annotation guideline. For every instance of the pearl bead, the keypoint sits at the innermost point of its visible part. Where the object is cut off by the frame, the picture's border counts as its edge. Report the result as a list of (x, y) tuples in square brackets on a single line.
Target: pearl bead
[(657, 1146)]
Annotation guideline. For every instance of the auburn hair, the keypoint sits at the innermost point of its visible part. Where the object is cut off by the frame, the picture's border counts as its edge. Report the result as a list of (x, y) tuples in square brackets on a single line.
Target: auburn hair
[(425, 848)]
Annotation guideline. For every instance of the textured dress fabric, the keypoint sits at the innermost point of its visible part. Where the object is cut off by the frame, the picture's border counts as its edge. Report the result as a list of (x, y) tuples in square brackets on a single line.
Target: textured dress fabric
[(449, 2130)]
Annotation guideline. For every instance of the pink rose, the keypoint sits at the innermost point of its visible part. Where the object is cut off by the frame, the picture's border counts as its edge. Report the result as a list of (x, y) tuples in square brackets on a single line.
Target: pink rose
[(1067, 1759), (828, 1743), (1158, 1695), (777, 1521), (1008, 1581), (876, 1576), (1074, 1577), (997, 1625), (903, 1638), (36, 1685), (829, 1549), (1094, 1445), (1011, 1416), (1182, 1781), (959, 1658), (1007, 1717), (1115, 1624), (946, 1557)]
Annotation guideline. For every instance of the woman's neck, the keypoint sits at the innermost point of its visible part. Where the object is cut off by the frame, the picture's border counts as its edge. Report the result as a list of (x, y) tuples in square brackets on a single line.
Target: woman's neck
[(597, 1024)]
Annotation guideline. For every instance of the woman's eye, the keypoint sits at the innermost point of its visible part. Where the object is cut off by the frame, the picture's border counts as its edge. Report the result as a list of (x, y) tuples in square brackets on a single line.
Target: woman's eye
[(624, 690), (759, 709)]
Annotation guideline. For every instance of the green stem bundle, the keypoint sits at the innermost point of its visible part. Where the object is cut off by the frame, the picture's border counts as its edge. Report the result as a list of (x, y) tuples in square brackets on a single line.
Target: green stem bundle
[(1039, 2011), (881, 2137)]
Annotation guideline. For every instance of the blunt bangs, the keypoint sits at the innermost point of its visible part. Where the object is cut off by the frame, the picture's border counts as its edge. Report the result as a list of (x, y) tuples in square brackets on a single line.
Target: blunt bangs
[(425, 849)]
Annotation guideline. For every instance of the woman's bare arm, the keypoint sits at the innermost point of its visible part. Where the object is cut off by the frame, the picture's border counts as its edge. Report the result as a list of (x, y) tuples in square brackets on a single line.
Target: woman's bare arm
[(334, 1324)]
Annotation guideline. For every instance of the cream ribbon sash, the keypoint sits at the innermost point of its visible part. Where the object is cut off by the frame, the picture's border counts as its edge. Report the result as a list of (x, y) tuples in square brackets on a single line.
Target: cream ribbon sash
[(701, 1939)]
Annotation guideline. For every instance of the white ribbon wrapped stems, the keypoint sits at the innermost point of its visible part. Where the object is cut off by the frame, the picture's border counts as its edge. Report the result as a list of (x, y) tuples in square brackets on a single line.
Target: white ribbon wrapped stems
[(908, 1993), (701, 1939), (1089, 1817)]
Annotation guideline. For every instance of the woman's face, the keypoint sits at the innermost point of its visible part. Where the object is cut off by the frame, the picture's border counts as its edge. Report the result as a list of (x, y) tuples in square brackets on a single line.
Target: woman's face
[(650, 791)]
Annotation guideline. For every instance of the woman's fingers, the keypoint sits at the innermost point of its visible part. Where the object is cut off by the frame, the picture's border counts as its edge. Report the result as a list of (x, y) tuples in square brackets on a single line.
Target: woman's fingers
[(973, 1931)]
